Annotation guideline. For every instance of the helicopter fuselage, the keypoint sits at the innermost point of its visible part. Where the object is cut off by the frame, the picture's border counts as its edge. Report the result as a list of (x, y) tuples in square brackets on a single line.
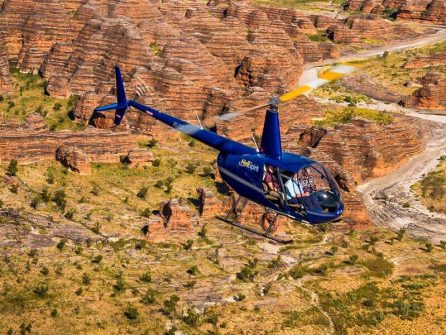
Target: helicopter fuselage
[(246, 173)]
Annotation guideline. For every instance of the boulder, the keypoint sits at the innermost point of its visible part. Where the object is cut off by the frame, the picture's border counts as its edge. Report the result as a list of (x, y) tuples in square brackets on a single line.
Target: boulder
[(74, 159), (139, 157), (210, 205)]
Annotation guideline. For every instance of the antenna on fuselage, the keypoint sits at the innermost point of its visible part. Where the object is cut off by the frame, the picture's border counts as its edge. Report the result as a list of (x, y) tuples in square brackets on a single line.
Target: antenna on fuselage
[(199, 121)]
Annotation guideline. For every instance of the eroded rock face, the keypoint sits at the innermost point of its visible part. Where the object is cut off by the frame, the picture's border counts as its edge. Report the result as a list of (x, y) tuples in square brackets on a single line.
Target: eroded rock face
[(175, 219), (139, 157), (365, 84), (31, 142), (210, 205), (182, 57), (431, 96), (5, 78), (74, 159), (426, 10), (370, 27)]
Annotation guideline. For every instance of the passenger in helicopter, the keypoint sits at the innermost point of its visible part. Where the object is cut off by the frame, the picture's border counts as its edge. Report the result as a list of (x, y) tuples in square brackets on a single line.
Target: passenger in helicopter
[(298, 194), (307, 181), (271, 185)]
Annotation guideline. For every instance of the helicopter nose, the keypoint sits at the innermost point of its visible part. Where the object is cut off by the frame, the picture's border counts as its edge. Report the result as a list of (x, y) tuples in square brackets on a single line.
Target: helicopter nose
[(328, 200)]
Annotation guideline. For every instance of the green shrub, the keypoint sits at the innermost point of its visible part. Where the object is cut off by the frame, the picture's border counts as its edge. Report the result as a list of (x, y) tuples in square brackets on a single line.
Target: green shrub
[(142, 193), (352, 260), (61, 243), (146, 213), (193, 270), (298, 271), (41, 291), (192, 318), (188, 245), (12, 168), (152, 143), (54, 313), (70, 213), (248, 273), (86, 280), (149, 297), (146, 277), (131, 312), (171, 304), (378, 267), (35, 202), (60, 198), (97, 259), (190, 168), (408, 310), (45, 271), (156, 162)]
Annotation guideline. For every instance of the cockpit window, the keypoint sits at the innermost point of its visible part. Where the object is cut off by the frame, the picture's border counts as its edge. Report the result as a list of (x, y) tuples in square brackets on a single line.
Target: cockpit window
[(308, 190)]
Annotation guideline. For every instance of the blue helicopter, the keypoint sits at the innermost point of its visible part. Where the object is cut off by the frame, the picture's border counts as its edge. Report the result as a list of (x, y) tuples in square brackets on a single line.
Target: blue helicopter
[(284, 183)]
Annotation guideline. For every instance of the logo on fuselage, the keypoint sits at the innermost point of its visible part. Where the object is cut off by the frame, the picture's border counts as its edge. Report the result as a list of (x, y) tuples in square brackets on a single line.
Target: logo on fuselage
[(249, 165)]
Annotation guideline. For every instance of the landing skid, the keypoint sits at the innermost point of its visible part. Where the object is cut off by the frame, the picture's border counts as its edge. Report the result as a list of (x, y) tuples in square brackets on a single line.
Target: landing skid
[(254, 231)]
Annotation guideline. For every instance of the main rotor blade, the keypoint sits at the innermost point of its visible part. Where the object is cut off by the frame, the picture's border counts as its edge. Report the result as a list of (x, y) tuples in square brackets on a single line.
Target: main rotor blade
[(323, 78)]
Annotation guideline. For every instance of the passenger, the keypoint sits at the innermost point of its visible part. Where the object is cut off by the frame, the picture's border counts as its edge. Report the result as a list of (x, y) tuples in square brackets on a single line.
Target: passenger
[(272, 184), (307, 181), (298, 193), (294, 191)]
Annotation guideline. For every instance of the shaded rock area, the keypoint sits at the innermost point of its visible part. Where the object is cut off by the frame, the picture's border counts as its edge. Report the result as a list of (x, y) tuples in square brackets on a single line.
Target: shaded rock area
[(431, 96), (74, 159), (21, 229), (365, 84), (433, 11), (31, 141)]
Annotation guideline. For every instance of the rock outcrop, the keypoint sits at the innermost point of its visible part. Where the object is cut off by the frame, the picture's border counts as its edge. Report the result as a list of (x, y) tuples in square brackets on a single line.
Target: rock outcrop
[(365, 84), (210, 205), (31, 142), (433, 11), (139, 157), (74, 159), (431, 96), (175, 219), (5, 78)]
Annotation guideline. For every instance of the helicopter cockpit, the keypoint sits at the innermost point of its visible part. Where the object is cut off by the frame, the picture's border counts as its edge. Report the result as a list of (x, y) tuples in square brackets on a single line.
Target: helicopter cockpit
[(309, 190)]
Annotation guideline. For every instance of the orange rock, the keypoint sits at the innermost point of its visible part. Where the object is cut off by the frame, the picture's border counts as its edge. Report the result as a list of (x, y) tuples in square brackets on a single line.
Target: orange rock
[(74, 159)]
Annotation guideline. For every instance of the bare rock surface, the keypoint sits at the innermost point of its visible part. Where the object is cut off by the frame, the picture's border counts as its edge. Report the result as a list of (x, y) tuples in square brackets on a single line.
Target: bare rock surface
[(31, 141), (74, 159)]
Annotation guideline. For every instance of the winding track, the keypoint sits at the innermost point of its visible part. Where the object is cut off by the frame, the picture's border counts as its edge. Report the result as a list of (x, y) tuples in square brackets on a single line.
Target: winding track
[(387, 197)]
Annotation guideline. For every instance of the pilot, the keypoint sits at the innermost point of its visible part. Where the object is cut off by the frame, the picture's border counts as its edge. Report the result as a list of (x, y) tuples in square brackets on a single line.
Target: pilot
[(297, 193), (272, 184)]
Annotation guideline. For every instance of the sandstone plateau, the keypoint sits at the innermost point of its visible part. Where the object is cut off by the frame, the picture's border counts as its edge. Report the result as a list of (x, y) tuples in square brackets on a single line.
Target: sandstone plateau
[(431, 11), (194, 58)]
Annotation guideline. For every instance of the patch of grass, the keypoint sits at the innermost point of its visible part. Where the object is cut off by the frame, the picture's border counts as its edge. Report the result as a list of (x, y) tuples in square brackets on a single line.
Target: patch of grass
[(378, 267), (347, 114), (29, 97), (432, 189)]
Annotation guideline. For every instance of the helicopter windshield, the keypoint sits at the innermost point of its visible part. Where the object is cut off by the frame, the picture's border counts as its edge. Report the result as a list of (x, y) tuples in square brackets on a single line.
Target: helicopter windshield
[(310, 189)]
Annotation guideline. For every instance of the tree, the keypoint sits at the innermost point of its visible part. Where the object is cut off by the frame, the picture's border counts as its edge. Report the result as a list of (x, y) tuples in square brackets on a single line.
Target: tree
[(12, 168)]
